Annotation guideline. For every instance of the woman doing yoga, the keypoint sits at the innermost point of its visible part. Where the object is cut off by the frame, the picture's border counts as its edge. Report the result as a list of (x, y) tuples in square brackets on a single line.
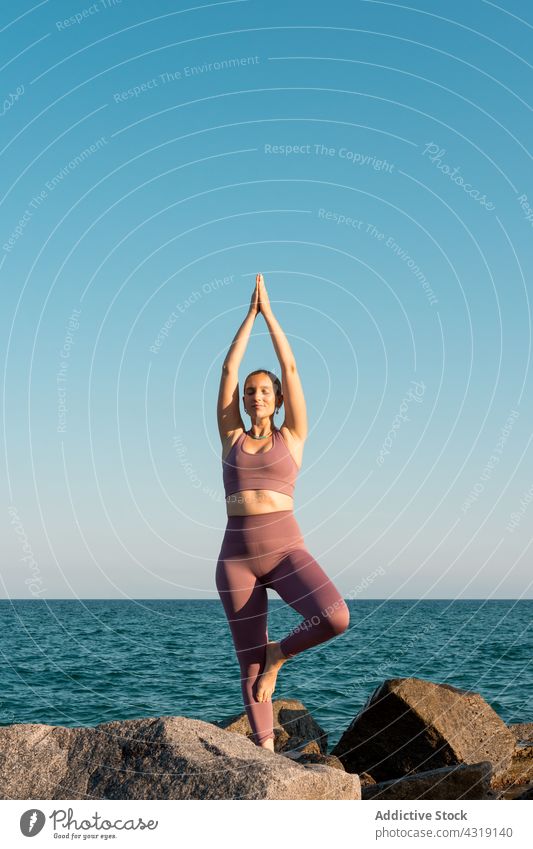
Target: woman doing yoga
[(263, 545)]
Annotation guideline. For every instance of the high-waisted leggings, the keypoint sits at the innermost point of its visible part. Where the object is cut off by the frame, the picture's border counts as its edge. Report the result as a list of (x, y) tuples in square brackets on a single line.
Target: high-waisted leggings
[(268, 550)]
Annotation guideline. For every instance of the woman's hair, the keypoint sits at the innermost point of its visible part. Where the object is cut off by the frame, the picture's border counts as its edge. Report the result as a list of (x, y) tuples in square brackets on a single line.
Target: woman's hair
[(276, 382)]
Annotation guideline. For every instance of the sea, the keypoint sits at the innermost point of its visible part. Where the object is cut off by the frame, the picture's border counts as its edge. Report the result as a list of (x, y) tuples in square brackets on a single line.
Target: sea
[(84, 662)]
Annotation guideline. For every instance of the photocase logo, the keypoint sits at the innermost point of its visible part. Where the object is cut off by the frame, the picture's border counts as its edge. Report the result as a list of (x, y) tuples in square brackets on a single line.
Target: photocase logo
[(31, 822)]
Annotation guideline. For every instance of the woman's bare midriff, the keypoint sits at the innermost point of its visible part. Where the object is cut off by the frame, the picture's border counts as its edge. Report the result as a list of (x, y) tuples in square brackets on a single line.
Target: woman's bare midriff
[(250, 502)]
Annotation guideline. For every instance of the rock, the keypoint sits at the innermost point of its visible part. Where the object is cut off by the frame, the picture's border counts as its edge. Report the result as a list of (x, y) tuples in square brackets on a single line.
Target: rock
[(465, 781), (294, 727), (298, 746), (366, 779), (515, 792), (169, 757), (306, 757), (409, 725), (522, 732), (526, 794), (517, 777), (520, 770)]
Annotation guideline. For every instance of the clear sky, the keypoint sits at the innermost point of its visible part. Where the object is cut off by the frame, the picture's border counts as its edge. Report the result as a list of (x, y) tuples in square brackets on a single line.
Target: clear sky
[(373, 161)]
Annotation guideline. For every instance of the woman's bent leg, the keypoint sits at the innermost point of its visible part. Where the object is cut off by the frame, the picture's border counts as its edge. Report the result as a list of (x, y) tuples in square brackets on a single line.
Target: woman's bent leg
[(301, 582), (245, 602)]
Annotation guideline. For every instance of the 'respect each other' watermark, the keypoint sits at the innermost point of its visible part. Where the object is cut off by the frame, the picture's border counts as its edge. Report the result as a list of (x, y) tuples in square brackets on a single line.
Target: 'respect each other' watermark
[(400, 417)]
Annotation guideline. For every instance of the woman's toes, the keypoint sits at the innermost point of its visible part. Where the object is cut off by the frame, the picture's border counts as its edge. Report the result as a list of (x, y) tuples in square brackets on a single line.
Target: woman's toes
[(263, 692)]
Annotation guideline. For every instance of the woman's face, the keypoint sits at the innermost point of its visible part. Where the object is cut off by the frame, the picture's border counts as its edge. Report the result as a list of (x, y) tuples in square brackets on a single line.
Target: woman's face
[(259, 397)]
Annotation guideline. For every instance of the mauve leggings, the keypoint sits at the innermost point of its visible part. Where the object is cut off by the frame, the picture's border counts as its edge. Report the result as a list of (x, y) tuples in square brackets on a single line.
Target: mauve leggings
[(268, 550)]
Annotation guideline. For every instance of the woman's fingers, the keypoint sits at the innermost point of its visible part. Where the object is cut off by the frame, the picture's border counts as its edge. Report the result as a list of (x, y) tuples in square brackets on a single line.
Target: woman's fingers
[(261, 291), (254, 301)]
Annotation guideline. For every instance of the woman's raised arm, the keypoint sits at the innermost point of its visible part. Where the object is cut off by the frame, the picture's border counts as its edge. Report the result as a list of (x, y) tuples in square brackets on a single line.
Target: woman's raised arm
[(228, 410), (293, 394)]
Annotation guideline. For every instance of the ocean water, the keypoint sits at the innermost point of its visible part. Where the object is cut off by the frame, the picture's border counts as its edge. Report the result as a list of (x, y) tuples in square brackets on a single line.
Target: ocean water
[(90, 661)]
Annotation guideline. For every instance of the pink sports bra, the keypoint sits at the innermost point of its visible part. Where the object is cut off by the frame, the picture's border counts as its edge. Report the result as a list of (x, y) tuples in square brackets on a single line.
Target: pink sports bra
[(274, 469)]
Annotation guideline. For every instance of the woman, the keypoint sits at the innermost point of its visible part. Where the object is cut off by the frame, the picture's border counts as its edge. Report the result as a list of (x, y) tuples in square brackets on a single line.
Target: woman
[(263, 545)]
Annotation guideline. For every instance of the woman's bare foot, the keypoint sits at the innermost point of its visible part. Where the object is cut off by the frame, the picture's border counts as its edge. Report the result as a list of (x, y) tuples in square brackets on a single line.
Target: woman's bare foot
[(274, 660), (267, 744)]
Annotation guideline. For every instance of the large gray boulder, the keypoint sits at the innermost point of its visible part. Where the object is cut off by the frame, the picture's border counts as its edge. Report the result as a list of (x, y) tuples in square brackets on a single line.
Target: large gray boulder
[(169, 757), (411, 725)]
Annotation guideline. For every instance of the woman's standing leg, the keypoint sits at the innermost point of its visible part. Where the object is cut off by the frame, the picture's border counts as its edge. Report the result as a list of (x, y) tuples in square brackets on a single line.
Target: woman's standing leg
[(245, 602)]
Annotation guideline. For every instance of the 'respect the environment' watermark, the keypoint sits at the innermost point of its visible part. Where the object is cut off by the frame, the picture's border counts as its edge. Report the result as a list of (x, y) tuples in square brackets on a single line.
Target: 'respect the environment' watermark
[(352, 156), (368, 229), (38, 199), (187, 72), (435, 155), (182, 307), (400, 417), (392, 245)]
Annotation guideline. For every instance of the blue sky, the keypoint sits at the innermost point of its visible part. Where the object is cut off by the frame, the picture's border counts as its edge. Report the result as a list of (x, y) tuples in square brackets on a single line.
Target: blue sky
[(373, 161)]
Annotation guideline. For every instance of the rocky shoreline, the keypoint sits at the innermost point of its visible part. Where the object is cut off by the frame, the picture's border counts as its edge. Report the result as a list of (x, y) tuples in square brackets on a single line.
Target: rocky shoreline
[(413, 739)]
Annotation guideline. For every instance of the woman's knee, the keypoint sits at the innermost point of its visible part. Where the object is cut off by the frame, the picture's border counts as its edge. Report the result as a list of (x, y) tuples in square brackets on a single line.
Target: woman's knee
[(338, 616)]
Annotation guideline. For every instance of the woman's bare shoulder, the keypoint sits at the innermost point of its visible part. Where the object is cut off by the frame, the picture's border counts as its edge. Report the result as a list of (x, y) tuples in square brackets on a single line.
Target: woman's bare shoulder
[(290, 437)]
